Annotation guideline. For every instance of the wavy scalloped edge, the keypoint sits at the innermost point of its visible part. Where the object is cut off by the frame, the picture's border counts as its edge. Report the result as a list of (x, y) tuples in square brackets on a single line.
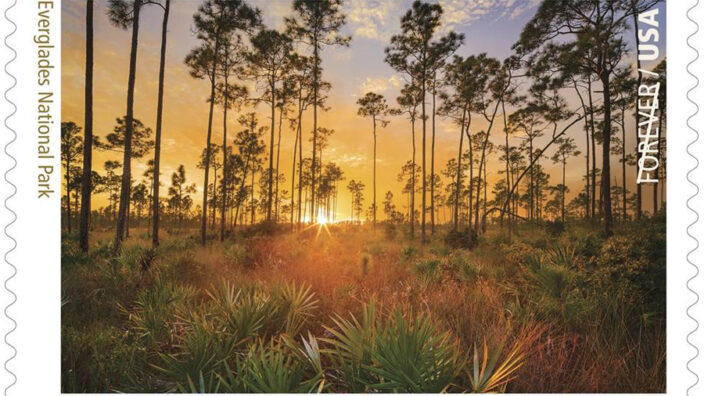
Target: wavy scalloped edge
[(693, 196), (13, 215)]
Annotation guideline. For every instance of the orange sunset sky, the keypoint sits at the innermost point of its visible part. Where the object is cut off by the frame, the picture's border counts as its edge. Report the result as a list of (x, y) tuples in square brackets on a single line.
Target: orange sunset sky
[(490, 26)]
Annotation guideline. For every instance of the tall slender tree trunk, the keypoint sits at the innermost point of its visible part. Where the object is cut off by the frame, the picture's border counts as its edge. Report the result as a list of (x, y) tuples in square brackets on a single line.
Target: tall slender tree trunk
[(127, 220), (214, 200), (423, 149), (315, 130), (270, 191), (486, 187), (508, 172), (458, 181), (593, 141), (624, 208), (470, 237), (223, 195), (68, 196), (482, 165), (606, 166), (586, 135), (300, 167), (159, 114), (432, 166), (204, 216), (564, 189), (129, 118), (278, 157), (586, 175), (655, 185), (412, 194), (531, 195), (374, 179), (149, 220), (293, 174), (76, 197), (86, 179), (293, 168), (254, 206), (241, 188)]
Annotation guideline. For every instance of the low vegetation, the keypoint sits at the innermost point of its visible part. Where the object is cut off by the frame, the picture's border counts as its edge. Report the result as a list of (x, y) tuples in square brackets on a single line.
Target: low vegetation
[(355, 311)]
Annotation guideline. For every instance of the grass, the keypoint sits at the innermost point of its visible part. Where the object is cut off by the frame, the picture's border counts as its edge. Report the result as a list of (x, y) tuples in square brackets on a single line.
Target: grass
[(353, 312)]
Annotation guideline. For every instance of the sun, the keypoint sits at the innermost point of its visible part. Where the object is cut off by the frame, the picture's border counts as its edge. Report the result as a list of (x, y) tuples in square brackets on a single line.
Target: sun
[(321, 223)]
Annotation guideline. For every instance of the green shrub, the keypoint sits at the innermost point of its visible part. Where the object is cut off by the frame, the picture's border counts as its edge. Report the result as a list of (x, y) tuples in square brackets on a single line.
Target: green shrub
[(297, 303), (563, 256), (239, 255), (553, 281), (200, 351), (97, 359), (352, 343), (588, 245), (440, 250), (554, 228), (408, 252), (460, 265), (406, 353), (459, 240), (154, 315), (274, 367), (428, 268), (518, 253), (412, 355), (390, 230), (635, 262), (245, 314)]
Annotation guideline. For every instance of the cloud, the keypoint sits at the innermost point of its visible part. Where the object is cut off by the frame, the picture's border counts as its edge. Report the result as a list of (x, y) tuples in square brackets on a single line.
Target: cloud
[(351, 160), (342, 55), (380, 84), (465, 12), (395, 81), (274, 13), (379, 19), (372, 19), (169, 143)]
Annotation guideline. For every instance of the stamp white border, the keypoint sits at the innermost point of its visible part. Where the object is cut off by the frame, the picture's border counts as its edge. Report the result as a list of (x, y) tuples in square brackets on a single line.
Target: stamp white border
[(36, 230)]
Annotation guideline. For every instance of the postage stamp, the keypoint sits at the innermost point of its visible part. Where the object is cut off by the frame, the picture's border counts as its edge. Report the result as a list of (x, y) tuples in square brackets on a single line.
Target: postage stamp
[(350, 196)]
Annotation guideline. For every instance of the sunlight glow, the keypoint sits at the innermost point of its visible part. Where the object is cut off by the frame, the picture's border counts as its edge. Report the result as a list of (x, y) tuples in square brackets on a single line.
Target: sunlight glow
[(321, 222)]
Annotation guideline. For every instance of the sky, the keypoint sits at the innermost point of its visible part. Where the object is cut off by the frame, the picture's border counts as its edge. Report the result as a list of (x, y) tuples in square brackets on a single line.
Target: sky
[(490, 26)]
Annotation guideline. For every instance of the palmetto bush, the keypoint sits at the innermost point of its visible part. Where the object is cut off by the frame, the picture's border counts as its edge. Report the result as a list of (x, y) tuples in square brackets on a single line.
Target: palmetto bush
[(297, 303), (553, 281), (238, 254), (243, 313), (411, 354), (274, 367), (555, 288), (563, 256), (489, 373), (403, 353), (175, 328), (351, 347), (200, 350), (428, 269), (234, 340), (263, 311), (154, 313)]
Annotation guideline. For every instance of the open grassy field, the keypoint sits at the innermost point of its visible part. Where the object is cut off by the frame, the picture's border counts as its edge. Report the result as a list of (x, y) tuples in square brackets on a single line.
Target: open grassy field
[(343, 308)]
